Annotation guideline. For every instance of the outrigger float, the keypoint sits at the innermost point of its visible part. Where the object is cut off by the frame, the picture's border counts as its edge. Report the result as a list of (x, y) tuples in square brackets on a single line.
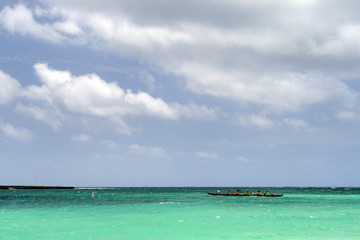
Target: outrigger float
[(245, 195)]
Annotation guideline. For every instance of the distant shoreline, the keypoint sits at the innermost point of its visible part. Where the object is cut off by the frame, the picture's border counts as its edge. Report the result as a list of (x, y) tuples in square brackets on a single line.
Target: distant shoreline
[(33, 187), (215, 187)]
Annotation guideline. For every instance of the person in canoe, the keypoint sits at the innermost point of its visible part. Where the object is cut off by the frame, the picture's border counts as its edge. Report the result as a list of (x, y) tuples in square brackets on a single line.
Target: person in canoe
[(237, 192), (228, 191), (219, 190), (266, 192), (246, 192), (257, 194)]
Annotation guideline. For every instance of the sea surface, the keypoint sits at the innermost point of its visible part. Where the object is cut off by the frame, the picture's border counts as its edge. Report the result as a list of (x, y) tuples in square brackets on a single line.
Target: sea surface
[(178, 213)]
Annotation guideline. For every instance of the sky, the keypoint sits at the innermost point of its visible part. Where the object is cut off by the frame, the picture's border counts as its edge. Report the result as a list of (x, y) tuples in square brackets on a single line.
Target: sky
[(179, 93)]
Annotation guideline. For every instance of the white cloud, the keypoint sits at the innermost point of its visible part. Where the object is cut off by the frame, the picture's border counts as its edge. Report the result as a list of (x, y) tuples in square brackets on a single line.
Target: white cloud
[(148, 150), (348, 115), (284, 92), (68, 28), (20, 20), (16, 133), (297, 124), (219, 26), (241, 159), (81, 138), (109, 144), (263, 122), (239, 51), (50, 116), (92, 96), (125, 32), (148, 79), (193, 111), (253, 120), (208, 155), (343, 41), (9, 88), (62, 95)]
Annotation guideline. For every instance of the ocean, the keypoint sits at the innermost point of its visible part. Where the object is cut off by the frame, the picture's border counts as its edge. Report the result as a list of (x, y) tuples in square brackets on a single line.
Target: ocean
[(178, 213)]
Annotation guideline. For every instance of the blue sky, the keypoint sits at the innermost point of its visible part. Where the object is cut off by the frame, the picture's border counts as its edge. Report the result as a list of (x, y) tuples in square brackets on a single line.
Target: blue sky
[(180, 93)]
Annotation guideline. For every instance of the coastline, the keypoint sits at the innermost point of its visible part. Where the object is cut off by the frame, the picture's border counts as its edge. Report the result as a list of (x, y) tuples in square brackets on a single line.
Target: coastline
[(10, 187)]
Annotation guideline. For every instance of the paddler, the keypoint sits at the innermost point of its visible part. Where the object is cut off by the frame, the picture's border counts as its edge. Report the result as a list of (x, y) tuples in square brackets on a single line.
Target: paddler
[(237, 192), (246, 192), (266, 192), (258, 193)]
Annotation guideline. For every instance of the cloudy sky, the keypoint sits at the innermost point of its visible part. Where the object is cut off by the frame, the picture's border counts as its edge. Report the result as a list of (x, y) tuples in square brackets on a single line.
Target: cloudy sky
[(180, 93)]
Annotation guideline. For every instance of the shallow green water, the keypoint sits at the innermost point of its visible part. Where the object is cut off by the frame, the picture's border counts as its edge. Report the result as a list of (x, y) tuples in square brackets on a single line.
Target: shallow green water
[(179, 213)]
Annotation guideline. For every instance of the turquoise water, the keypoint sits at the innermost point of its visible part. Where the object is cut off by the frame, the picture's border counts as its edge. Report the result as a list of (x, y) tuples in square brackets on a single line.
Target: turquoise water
[(179, 213)]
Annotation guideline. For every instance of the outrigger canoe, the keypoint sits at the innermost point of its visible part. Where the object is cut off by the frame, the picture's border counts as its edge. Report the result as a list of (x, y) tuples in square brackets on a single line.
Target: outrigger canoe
[(229, 194), (243, 195)]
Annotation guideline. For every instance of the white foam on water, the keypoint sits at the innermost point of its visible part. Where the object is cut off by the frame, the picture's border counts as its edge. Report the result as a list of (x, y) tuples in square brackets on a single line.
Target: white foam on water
[(166, 202)]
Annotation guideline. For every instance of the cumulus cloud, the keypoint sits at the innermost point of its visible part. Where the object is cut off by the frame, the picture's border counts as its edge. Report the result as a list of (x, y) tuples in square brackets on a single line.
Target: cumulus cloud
[(68, 28), (109, 144), (20, 19), (89, 94), (352, 116), (261, 121), (61, 93), (239, 51), (297, 124), (81, 138), (149, 80), (208, 155), (253, 120), (277, 92), (148, 150), (242, 159), (9, 88), (243, 57), (16, 133), (50, 115)]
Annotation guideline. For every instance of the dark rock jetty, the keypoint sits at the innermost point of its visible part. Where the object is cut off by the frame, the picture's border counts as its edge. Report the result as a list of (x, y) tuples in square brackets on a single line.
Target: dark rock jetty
[(33, 187)]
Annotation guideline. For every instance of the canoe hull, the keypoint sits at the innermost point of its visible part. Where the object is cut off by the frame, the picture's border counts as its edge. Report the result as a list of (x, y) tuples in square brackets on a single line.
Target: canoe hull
[(228, 194), (243, 195)]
